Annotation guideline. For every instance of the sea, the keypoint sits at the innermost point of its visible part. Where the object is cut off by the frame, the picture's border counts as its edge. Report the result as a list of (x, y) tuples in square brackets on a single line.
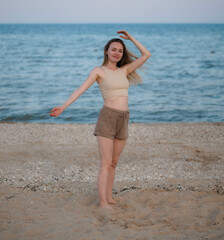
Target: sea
[(42, 64)]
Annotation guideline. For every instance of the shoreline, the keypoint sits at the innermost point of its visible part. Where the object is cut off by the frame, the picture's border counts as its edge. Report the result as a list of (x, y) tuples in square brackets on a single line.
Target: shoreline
[(148, 123)]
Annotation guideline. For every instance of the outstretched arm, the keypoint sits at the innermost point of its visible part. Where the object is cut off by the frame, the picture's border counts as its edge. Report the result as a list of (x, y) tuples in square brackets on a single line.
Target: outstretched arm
[(139, 61), (77, 93)]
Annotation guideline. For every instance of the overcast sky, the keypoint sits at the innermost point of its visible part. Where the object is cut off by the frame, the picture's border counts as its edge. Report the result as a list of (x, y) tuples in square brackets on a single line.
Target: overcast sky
[(114, 11)]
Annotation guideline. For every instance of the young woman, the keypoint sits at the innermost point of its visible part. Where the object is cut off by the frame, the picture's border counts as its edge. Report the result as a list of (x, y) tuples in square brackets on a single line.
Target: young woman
[(113, 77)]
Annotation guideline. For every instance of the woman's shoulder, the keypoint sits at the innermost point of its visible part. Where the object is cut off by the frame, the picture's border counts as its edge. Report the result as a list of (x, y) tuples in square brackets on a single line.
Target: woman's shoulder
[(98, 68), (99, 71)]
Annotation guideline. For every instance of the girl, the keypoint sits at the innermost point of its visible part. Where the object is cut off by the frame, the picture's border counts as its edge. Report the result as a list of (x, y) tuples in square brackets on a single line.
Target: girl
[(113, 77)]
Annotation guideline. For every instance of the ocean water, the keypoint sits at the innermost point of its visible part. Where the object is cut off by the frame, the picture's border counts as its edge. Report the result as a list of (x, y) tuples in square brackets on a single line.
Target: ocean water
[(42, 64)]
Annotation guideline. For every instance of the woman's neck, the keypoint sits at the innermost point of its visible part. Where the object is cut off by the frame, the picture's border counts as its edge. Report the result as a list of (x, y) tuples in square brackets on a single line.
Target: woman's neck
[(111, 65)]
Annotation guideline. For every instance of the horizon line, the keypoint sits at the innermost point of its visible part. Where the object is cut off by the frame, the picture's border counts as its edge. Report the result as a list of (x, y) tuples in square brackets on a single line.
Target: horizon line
[(111, 23)]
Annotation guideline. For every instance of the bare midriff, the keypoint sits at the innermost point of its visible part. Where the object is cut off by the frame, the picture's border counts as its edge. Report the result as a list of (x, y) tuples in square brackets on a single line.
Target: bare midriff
[(120, 103)]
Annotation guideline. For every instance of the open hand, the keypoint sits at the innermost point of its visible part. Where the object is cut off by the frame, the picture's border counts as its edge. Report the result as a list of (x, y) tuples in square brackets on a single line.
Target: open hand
[(126, 36), (56, 111)]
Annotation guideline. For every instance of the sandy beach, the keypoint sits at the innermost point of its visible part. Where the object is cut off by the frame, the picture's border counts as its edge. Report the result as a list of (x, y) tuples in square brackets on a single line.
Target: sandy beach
[(169, 183)]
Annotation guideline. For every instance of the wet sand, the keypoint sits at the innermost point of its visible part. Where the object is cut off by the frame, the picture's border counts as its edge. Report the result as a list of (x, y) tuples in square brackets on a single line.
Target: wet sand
[(169, 183)]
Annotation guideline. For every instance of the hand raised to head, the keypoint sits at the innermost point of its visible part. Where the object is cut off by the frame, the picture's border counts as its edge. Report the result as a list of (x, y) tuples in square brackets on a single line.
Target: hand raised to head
[(126, 35)]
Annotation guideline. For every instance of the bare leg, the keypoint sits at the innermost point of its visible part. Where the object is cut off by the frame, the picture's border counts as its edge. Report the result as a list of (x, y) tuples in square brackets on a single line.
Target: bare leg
[(118, 147), (106, 152)]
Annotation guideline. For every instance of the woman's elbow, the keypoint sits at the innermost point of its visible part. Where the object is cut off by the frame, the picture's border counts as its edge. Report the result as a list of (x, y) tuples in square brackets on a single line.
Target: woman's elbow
[(147, 55)]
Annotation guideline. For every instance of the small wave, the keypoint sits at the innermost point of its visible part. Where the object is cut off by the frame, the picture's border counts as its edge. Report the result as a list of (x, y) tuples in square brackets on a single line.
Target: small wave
[(208, 64)]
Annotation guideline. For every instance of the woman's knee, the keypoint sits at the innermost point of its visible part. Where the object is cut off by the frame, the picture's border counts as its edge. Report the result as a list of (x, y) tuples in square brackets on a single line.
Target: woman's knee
[(105, 165), (108, 165), (114, 162)]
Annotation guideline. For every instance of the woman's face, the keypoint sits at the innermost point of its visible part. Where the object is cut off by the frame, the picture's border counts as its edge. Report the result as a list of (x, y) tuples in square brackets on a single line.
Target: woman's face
[(115, 52)]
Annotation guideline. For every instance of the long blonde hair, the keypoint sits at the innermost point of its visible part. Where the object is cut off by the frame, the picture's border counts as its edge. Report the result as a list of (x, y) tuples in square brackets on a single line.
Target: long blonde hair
[(127, 57)]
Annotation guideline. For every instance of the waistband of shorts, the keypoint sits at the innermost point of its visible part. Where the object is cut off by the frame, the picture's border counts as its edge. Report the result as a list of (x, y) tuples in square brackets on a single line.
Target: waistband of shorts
[(114, 109)]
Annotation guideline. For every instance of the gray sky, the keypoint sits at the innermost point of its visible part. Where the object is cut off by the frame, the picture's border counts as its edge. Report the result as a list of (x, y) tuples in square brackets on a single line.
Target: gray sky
[(114, 11)]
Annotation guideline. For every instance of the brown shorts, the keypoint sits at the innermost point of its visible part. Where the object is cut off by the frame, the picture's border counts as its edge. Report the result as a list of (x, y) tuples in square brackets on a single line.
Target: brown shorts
[(112, 123)]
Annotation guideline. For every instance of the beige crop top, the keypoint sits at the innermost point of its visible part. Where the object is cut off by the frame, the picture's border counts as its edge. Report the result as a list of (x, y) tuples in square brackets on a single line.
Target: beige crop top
[(115, 83)]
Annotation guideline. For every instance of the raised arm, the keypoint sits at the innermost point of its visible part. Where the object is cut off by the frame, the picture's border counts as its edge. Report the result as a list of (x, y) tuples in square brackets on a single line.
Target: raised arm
[(130, 67), (94, 74)]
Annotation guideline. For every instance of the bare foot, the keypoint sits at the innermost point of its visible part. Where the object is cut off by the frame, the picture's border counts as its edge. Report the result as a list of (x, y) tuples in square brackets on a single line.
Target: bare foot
[(106, 206), (111, 201)]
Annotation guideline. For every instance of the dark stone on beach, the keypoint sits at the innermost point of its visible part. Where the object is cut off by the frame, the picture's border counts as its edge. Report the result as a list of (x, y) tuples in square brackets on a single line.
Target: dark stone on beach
[(31, 187), (129, 189), (9, 197), (115, 192), (124, 189), (192, 189), (218, 189)]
